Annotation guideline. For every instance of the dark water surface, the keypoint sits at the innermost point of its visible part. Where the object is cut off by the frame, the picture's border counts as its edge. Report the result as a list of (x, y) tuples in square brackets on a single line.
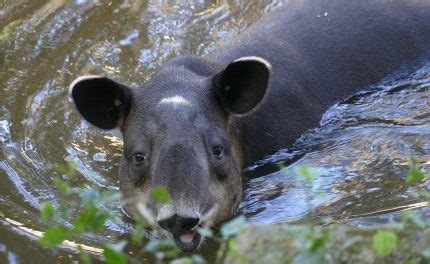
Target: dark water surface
[(364, 145)]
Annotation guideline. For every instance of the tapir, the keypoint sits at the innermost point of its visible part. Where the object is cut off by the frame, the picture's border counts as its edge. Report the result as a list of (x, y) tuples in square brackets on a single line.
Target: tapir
[(198, 121)]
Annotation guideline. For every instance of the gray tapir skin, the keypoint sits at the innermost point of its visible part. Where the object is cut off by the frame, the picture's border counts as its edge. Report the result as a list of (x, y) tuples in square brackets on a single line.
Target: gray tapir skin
[(198, 121)]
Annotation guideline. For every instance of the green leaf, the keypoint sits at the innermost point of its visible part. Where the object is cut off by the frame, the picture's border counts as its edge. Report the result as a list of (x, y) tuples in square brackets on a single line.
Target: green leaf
[(384, 242), (55, 236), (91, 219), (415, 174), (7, 31), (160, 194), (71, 168), (48, 212), (68, 168), (308, 173), (319, 241), (138, 232), (59, 167), (114, 257), (232, 245), (233, 227), (63, 186)]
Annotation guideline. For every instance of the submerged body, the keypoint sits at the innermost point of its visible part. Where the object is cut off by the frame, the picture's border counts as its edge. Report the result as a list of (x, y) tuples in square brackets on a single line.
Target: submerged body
[(198, 121), (322, 52)]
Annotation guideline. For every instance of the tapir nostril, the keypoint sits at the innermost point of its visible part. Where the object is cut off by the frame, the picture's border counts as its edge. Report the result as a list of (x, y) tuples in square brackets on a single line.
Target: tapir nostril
[(165, 224), (188, 223), (179, 223)]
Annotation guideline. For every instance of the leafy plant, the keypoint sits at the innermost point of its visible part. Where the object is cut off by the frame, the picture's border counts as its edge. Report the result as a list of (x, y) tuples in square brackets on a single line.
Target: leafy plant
[(415, 173), (89, 214), (384, 242), (313, 243)]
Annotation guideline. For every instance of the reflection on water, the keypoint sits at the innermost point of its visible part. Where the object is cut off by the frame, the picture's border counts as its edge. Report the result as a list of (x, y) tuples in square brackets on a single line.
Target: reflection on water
[(364, 144)]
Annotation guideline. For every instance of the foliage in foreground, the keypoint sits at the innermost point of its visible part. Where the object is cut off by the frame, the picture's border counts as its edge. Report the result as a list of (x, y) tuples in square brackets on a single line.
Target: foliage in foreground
[(240, 243), (283, 243), (86, 212)]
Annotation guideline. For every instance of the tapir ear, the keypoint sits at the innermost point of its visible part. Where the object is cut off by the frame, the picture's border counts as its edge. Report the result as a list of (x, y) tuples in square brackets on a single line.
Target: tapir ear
[(101, 101), (242, 85)]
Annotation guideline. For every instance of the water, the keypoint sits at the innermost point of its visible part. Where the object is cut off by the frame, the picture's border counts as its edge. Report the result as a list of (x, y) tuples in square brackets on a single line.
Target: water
[(364, 145)]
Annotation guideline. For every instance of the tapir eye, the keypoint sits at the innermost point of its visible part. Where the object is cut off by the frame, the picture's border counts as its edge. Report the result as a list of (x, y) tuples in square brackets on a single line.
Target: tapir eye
[(218, 151), (139, 157)]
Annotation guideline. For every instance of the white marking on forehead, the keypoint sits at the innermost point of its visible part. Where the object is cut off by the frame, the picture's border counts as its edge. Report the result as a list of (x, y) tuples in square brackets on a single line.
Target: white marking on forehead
[(175, 100)]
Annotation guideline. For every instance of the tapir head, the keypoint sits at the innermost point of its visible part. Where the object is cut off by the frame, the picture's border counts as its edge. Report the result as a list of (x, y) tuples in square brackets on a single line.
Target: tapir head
[(179, 133)]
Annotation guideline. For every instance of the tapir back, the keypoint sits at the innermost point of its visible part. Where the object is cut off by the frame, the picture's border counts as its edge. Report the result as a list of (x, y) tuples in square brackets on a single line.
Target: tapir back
[(322, 51)]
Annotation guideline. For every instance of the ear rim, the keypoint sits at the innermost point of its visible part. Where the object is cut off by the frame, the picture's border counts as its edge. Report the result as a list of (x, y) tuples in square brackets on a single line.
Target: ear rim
[(218, 76), (255, 58), (125, 104), (82, 78)]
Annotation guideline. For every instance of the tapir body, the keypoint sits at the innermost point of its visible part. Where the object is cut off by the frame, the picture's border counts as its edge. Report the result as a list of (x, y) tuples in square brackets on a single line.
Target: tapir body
[(322, 52), (199, 120)]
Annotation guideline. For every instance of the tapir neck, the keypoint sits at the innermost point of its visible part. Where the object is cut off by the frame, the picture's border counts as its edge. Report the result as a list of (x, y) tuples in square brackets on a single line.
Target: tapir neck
[(320, 57)]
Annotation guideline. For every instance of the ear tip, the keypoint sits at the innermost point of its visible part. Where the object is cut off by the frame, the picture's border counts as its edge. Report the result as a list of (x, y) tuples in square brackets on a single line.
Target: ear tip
[(80, 79), (255, 58)]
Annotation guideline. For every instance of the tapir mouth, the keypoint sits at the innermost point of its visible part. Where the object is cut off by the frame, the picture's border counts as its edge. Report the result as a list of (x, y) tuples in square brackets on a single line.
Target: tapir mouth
[(187, 241)]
